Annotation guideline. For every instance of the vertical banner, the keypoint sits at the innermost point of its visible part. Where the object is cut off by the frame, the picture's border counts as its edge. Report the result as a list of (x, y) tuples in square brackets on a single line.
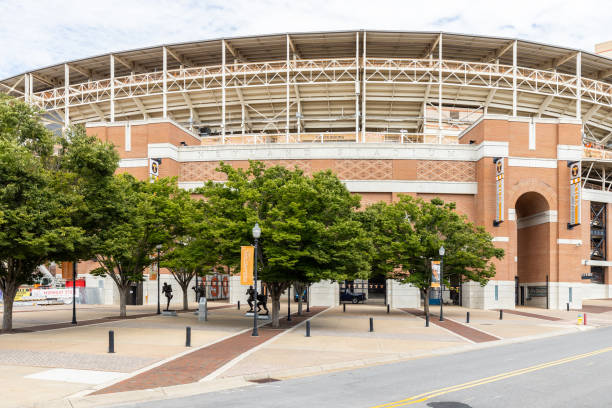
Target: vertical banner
[(575, 194), (153, 169), (435, 274), (246, 264), (499, 190)]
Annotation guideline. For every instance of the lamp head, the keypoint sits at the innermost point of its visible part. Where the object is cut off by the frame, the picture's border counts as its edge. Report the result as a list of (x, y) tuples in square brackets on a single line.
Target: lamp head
[(256, 231), (441, 251)]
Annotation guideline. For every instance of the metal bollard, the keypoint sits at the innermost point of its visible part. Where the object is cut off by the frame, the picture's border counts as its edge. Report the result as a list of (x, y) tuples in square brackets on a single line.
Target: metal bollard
[(188, 337), (387, 309), (567, 306), (501, 314), (308, 328), (467, 317), (111, 341), (371, 324), (426, 320), (344, 307), (238, 305)]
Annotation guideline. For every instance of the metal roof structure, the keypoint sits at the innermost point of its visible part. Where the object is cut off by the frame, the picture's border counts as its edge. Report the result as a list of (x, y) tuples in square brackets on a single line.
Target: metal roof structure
[(349, 83)]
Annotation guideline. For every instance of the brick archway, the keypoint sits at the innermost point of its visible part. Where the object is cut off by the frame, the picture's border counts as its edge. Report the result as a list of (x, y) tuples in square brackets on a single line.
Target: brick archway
[(532, 185), (535, 205)]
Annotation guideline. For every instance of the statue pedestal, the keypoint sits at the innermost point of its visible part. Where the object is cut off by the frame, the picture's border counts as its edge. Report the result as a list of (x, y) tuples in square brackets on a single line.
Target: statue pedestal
[(168, 313), (259, 316)]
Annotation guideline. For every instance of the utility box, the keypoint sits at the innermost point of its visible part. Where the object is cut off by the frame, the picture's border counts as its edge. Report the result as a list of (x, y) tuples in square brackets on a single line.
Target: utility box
[(203, 310)]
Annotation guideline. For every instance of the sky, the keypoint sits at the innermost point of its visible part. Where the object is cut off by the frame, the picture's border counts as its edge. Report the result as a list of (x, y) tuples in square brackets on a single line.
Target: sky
[(34, 34)]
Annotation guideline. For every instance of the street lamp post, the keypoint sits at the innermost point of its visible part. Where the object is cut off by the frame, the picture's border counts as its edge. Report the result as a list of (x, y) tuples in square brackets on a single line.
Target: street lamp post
[(158, 277), (441, 252), (256, 234), (74, 273)]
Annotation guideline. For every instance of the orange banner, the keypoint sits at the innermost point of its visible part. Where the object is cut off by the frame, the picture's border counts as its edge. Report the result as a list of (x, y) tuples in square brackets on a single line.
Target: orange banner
[(246, 264)]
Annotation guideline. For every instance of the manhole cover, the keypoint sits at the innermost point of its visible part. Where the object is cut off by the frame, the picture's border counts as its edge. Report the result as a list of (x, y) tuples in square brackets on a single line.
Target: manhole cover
[(264, 380)]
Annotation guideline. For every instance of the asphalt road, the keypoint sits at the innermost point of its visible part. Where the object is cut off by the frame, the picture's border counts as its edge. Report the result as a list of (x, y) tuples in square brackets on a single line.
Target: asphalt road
[(564, 371)]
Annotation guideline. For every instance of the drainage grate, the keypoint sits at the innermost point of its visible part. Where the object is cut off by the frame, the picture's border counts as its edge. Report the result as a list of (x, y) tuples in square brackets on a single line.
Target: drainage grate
[(264, 380)]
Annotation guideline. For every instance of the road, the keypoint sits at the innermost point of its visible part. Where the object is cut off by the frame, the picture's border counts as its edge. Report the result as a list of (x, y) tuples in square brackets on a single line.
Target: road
[(572, 370)]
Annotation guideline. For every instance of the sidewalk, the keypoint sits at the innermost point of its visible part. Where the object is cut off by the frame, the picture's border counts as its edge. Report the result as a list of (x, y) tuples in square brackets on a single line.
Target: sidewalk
[(152, 362)]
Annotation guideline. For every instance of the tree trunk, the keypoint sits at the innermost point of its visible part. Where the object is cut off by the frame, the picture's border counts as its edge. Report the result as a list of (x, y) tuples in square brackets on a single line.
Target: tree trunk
[(9, 299), (426, 303), (123, 292), (275, 289), (185, 302), (299, 289)]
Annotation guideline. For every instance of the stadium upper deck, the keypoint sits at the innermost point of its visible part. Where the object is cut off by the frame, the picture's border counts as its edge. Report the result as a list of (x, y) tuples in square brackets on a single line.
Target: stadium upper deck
[(360, 86)]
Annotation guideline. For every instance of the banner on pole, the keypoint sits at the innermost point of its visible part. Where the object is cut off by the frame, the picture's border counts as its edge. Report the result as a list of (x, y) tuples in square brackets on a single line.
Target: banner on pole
[(575, 194), (154, 169), (499, 190), (435, 274), (246, 264)]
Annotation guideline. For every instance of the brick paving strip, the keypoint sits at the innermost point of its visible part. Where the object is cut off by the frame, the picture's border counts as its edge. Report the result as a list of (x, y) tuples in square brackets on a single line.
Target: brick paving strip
[(534, 315), (54, 326), (198, 364), (462, 330)]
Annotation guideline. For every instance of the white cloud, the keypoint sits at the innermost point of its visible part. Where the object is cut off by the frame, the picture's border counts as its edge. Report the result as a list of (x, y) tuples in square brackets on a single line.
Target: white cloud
[(38, 33)]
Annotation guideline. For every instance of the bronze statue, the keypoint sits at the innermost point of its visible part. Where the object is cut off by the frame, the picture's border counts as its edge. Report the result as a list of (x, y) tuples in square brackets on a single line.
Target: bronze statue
[(262, 300), (200, 292), (251, 292), (167, 291)]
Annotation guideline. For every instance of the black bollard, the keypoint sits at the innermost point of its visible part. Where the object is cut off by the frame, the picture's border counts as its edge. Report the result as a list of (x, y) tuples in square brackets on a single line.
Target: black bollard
[(467, 317), (426, 320), (567, 306), (344, 307), (238, 305), (308, 328), (501, 314), (111, 341), (371, 324), (387, 309), (188, 337)]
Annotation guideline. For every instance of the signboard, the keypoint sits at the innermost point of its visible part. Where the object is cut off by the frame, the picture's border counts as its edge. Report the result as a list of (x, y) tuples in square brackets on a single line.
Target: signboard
[(246, 264), (499, 190), (64, 294), (23, 292), (575, 194), (435, 274), (154, 169)]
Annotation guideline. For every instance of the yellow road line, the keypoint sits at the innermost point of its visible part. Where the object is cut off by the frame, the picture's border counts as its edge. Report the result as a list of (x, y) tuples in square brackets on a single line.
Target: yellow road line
[(427, 395)]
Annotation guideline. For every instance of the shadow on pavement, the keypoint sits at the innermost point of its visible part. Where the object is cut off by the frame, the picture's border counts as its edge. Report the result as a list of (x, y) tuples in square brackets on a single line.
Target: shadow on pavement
[(448, 404)]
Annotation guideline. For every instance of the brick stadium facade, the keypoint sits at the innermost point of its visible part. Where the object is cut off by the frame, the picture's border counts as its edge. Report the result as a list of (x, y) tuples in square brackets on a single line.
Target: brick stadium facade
[(420, 113), (541, 252)]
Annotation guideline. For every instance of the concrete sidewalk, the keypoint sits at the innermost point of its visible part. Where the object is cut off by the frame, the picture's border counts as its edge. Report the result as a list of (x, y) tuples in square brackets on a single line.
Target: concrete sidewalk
[(74, 361)]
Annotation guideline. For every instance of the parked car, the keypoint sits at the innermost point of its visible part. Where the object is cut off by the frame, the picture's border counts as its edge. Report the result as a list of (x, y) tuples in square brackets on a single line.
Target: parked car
[(295, 297), (349, 296)]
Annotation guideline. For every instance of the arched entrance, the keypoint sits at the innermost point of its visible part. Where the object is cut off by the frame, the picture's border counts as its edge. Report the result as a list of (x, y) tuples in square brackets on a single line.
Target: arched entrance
[(533, 218)]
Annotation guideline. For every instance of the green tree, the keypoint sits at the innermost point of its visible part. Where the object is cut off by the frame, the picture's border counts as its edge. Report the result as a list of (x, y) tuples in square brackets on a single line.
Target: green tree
[(193, 251), (138, 216), (309, 231), (429, 225), (42, 204)]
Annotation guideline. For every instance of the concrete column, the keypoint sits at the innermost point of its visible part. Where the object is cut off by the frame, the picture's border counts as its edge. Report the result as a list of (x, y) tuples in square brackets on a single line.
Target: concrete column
[(165, 83), (288, 62), (514, 59), (324, 293), (401, 295), (223, 91), (579, 86), (363, 92), (66, 96), (357, 91), (112, 88)]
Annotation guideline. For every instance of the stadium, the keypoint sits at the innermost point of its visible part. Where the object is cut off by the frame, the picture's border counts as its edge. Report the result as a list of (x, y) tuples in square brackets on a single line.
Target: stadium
[(515, 132)]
